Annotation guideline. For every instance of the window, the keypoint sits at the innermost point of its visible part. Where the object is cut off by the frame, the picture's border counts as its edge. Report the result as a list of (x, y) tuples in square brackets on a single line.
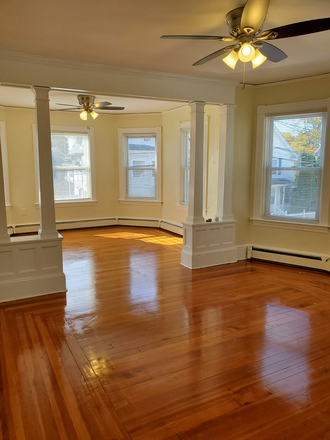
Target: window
[(184, 161), (291, 182), (139, 165), (185, 148), (72, 149)]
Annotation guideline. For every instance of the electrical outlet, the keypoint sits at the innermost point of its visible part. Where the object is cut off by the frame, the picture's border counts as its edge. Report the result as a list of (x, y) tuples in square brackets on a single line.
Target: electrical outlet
[(24, 211)]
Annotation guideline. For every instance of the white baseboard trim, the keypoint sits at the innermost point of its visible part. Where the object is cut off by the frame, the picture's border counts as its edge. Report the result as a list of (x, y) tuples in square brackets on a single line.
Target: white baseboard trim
[(144, 222), (66, 224), (176, 228), (99, 222), (11, 290)]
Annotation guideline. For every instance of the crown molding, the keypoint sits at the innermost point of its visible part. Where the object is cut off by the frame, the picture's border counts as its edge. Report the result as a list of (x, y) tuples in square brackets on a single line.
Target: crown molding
[(57, 62)]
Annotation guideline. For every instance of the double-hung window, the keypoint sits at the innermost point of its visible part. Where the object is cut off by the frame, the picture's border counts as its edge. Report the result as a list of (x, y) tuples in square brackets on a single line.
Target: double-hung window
[(139, 165), (184, 163), (72, 156), (292, 162)]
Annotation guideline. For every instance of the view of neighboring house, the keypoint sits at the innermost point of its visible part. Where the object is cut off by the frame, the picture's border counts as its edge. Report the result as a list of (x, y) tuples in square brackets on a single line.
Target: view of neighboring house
[(69, 167), (141, 167), (282, 182)]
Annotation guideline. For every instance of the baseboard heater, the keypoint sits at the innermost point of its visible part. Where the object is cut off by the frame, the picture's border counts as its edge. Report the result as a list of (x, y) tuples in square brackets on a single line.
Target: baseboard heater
[(312, 261)]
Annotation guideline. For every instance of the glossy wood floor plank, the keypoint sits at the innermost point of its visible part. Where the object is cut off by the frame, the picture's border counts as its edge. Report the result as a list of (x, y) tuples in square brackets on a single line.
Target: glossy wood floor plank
[(141, 347)]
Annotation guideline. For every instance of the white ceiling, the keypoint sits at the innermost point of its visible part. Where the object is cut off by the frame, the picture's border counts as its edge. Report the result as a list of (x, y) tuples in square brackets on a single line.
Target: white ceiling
[(126, 34)]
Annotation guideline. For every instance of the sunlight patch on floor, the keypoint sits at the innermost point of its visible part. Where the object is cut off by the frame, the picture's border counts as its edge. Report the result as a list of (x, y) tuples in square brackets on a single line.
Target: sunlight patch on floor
[(147, 238)]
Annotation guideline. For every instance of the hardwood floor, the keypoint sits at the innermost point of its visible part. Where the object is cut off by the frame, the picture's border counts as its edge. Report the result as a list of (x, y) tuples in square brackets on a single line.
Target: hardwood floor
[(143, 348)]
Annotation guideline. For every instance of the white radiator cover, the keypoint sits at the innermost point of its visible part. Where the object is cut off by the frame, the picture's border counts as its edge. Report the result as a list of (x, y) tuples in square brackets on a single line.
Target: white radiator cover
[(293, 258)]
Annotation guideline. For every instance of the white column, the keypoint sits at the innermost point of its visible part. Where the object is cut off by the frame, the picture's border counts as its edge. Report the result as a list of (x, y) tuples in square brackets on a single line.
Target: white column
[(46, 185), (195, 202), (4, 236), (226, 158)]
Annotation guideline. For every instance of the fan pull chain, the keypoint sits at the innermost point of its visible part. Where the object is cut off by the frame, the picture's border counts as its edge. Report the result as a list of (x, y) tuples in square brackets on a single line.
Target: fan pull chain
[(243, 86)]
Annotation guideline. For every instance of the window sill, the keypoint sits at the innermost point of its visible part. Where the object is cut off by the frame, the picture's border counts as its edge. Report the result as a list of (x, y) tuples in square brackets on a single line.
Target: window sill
[(182, 207), (140, 202), (73, 203), (290, 225)]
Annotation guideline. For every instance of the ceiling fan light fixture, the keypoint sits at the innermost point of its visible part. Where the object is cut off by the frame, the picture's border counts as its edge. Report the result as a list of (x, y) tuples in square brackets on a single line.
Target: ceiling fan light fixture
[(231, 59), (93, 114), (83, 115), (258, 59), (246, 53)]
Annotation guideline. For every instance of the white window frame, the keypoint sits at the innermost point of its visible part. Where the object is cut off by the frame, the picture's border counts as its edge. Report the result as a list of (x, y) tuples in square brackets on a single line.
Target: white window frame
[(183, 127), (5, 163), (264, 112), (122, 155), (63, 129)]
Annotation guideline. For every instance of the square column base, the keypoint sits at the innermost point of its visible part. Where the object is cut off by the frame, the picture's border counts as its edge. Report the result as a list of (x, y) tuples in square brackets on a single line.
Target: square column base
[(210, 244), (31, 266)]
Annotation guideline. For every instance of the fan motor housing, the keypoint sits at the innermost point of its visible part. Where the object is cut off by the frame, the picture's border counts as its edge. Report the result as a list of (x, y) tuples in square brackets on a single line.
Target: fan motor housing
[(86, 100), (234, 21)]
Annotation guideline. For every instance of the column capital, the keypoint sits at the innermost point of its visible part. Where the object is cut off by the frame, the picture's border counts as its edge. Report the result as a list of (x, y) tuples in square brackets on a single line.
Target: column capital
[(227, 109), (41, 92), (197, 105)]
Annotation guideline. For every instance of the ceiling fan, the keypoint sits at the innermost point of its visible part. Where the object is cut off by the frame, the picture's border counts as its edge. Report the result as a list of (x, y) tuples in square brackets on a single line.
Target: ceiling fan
[(248, 38), (87, 105)]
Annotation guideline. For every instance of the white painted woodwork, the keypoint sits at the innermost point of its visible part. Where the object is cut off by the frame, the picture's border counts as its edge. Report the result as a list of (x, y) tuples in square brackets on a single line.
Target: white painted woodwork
[(4, 236), (195, 200), (31, 266), (83, 76), (46, 184), (226, 158), (210, 244)]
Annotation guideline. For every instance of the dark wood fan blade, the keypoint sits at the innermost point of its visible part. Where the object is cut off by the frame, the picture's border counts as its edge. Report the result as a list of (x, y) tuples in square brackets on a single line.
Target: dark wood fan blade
[(302, 28), (214, 55), (196, 37), (101, 104), (273, 53), (111, 108), (254, 14)]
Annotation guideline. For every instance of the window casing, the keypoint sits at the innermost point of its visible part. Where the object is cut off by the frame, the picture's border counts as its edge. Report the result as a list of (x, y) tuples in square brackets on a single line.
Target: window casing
[(292, 163), (4, 162), (73, 164), (140, 165)]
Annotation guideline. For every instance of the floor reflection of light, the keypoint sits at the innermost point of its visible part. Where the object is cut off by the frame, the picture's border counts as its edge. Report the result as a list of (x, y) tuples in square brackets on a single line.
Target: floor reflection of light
[(80, 282), (143, 280), (289, 344)]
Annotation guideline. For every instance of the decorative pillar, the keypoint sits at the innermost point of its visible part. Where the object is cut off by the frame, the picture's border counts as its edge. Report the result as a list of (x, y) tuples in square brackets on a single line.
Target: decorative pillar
[(195, 201), (226, 158), (4, 236), (46, 185), (210, 243)]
